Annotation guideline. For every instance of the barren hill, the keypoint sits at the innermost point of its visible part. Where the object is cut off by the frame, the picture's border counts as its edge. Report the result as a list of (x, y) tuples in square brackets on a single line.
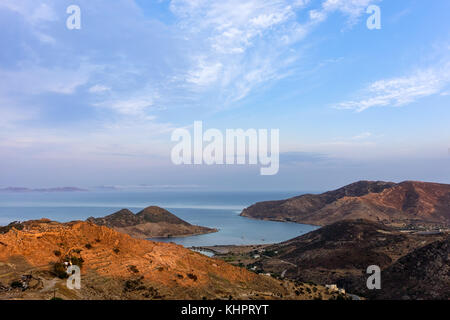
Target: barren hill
[(426, 271), (401, 204), (413, 265), (117, 266), (152, 222)]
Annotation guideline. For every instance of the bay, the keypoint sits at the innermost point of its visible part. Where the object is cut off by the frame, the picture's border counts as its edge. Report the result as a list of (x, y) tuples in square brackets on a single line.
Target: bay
[(215, 209)]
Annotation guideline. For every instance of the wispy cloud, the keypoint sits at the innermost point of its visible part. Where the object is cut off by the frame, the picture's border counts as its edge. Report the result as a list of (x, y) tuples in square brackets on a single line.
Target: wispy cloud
[(135, 106), (98, 88), (362, 136), (246, 44), (401, 91), (33, 12)]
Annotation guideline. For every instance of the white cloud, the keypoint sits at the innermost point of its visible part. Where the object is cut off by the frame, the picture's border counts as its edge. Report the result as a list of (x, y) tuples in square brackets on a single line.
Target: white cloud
[(205, 73), (401, 91), (245, 44), (134, 106), (33, 12), (352, 8), (98, 88), (362, 136)]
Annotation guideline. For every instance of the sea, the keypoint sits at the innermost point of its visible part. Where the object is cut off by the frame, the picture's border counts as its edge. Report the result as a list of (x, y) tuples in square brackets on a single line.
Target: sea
[(215, 209)]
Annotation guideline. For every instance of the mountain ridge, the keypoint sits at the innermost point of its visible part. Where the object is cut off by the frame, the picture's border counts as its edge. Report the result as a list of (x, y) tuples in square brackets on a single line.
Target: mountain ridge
[(405, 203)]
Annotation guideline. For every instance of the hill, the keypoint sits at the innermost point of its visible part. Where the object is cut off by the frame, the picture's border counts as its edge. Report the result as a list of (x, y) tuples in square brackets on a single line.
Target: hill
[(152, 222), (414, 265), (117, 266), (409, 203)]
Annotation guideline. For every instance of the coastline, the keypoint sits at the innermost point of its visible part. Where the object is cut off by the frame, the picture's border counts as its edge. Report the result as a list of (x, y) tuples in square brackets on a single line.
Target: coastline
[(213, 230)]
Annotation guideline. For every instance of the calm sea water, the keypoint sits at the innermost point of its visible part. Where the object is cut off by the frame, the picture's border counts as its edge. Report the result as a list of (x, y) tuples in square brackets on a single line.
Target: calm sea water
[(212, 209)]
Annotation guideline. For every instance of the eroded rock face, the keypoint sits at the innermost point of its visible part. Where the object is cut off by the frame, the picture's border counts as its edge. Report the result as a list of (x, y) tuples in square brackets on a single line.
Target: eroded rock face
[(402, 204), (117, 266), (151, 222)]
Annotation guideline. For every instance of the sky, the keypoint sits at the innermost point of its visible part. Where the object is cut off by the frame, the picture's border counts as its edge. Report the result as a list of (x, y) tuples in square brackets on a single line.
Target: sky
[(97, 105)]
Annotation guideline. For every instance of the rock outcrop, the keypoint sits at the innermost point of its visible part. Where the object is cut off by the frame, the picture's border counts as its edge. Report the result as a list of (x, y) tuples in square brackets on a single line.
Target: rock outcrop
[(152, 222)]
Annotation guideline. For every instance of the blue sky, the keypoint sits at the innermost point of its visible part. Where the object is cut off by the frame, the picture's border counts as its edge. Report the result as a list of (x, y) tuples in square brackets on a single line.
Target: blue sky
[(96, 106)]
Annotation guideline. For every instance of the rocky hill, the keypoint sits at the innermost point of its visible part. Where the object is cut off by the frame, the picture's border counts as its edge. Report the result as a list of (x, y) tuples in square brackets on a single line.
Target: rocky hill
[(117, 266), (426, 271), (152, 222), (414, 265), (396, 204)]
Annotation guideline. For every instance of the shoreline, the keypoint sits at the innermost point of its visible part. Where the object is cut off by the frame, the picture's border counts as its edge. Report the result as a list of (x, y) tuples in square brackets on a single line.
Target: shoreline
[(213, 230)]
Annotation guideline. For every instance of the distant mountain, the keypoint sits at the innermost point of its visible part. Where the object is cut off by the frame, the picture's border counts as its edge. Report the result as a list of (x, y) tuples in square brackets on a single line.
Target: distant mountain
[(409, 202), (58, 189), (414, 265), (152, 222)]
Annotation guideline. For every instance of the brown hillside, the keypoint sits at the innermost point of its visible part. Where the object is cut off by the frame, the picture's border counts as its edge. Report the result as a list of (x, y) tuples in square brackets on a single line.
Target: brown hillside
[(341, 252), (117, 266), (406, 203)]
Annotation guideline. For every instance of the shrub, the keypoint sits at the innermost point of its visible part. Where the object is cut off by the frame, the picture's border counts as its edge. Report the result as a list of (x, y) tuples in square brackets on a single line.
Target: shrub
[(116, 250), (192, 276), (133, 269), (59, 270), (16, 284), (57, 253), (270, 253), (77, 261), (88, 246)]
